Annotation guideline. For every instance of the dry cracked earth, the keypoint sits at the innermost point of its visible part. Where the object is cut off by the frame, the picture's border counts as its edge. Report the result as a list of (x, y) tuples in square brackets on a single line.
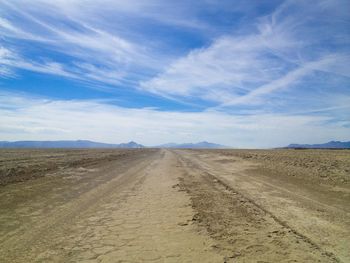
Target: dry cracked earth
[(160, 205)]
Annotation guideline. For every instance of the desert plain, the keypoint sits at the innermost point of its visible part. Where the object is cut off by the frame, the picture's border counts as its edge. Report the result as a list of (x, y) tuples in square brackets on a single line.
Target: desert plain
[(174, 205)]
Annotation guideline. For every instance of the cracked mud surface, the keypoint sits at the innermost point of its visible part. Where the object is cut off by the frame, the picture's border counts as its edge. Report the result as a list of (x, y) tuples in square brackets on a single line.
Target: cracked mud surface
[(135, 214), (168, 206)]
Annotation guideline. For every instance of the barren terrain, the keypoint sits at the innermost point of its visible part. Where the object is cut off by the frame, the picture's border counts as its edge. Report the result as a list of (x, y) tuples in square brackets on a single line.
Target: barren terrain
[(159, 205)]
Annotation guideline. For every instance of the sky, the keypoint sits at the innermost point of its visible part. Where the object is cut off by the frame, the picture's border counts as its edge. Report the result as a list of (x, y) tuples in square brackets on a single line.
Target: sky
[(246, 74)]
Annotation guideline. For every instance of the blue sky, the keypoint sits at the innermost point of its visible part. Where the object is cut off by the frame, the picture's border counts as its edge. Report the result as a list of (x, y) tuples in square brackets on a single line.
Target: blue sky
[(241, 73)]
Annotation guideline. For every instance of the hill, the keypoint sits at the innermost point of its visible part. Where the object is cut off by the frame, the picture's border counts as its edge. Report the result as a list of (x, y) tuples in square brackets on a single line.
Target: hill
[(66, 144), (328, 145)]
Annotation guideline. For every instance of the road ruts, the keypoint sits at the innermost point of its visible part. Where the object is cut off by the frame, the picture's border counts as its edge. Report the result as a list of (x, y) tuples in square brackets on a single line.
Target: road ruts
[(139, 216), (251, 220)]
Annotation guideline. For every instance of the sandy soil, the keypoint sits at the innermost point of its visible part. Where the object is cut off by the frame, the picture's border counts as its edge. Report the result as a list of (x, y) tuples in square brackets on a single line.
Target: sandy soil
[(170, 206), (287, 217), (18, 165)]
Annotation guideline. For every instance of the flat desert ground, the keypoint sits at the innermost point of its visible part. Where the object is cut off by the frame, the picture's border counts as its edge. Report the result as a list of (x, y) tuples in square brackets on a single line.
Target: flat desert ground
[(172, 205)]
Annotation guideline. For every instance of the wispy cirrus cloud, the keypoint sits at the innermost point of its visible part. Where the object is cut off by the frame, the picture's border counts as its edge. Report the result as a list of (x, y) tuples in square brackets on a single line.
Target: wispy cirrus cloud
[(113, 38), (324, 64), (5, 55), (90, 53), (292, 43), (235, 69)]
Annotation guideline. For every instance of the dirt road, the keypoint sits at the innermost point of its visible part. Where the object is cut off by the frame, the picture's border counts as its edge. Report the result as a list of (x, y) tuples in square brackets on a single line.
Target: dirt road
[(169, 206)]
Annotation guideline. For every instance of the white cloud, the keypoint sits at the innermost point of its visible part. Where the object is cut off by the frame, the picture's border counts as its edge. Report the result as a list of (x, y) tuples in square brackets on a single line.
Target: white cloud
[(6, 25), (81, 71), (325, 64), (5, 55), (105, 35), (26, 118), (95, 53), (236, 68), (230, 64), (290, 44), (175, 13), (10, 59)]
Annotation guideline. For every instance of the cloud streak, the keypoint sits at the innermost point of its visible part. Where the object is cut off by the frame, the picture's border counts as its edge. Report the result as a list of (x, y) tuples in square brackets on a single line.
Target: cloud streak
[(39, 119), (234, 69), (284, 48), (94, 54)]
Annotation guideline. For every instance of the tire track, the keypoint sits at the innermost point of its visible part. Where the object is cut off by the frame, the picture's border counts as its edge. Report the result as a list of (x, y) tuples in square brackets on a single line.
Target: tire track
[(31, 239), (200, 181)]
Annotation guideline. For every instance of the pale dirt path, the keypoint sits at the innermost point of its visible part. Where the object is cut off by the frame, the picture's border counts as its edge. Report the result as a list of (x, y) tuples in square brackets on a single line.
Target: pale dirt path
[(322, 225), (138, 216), (151, 225), (161, 206), (43, 211)]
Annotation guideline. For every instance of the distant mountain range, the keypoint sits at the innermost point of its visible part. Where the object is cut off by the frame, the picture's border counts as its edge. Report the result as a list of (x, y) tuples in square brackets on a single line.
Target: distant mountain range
[(67, 144), (132, 144), (199, 145), (91, 144), (328, 145)]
